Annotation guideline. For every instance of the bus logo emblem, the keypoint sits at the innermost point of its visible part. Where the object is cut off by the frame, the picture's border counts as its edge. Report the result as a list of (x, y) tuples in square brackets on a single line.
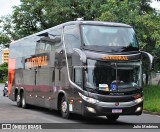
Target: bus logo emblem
[(116, 104)]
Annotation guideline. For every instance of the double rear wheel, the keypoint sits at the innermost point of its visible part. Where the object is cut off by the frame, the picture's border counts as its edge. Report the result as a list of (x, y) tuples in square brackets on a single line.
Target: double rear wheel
[(21, 100)]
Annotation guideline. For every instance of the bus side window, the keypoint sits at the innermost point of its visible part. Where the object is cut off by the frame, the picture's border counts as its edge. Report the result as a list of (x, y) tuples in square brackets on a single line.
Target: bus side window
[(78, 76), (40, 47), (48, 47), (43, 47)]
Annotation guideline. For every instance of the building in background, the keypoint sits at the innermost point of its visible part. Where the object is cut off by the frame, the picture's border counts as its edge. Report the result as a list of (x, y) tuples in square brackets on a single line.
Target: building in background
[(4, 53)]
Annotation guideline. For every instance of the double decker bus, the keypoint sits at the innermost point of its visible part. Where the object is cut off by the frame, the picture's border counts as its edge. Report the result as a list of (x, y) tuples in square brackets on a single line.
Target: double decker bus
[(83, 67)]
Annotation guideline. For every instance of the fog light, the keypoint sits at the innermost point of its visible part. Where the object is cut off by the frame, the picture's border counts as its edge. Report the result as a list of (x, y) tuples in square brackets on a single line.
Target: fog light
[(138, 109), (92, 110)]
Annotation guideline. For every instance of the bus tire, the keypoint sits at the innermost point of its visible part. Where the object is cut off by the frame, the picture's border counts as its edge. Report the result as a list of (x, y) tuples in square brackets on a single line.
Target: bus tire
[(65, 108), (24, 105), (112, 118), (19, 100)]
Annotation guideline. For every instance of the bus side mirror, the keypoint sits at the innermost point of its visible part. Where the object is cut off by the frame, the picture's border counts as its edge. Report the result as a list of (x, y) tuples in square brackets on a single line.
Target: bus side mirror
[(150, 58), (82, 55)]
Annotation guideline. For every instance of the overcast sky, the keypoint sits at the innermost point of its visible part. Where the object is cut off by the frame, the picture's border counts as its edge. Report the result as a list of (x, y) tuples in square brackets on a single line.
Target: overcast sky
[(6, 6)]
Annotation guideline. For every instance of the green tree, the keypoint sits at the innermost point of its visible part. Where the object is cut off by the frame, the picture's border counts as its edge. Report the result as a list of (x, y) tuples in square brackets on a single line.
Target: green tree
[(3, 72), (4, 36), (4, 40)]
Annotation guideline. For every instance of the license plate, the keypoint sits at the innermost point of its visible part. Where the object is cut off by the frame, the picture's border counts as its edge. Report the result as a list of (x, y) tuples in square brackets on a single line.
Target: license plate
[(116, 110)]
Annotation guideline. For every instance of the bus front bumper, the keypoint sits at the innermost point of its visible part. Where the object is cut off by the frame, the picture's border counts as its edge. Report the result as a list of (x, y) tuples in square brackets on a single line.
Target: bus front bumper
[(114, 108)]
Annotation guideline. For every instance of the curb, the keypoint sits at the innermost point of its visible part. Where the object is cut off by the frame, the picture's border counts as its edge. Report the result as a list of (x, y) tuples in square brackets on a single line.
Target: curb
[(152, 113)]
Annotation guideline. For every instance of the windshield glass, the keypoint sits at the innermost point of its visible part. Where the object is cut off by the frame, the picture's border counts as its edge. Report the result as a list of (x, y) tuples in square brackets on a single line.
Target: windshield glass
[(109, 38), (112, 76)]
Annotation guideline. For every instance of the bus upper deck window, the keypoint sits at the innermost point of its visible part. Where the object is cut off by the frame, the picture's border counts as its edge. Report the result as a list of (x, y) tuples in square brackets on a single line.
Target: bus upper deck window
[(48, 47)]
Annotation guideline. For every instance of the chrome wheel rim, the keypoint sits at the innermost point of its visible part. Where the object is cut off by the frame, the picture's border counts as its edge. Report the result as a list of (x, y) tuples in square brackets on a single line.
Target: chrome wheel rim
[(18, 98), (23, 101)]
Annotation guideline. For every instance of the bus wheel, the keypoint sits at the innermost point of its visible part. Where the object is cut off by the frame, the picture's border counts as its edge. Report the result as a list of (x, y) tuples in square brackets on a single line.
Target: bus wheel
[(112, 118), (24, 105), (19, 100), (64, 108)]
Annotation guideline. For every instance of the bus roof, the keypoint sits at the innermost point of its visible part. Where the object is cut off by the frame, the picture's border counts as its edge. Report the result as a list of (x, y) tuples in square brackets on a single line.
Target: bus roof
[(98, 23), (78, 23)]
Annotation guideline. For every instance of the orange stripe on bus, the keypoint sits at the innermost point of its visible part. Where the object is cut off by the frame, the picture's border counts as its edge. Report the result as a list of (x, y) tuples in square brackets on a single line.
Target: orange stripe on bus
[(11, 70)]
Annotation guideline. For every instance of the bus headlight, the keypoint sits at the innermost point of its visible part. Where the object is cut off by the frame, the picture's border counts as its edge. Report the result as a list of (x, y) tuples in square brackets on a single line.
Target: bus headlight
[(139, 100), (88, 99)]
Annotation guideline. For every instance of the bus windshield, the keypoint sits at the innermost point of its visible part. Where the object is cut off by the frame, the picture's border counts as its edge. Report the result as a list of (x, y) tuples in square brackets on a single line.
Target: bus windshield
[(113, 76), (109, 38)]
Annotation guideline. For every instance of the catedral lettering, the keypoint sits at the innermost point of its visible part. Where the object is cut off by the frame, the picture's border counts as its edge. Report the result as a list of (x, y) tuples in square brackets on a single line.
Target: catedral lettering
[(90, 76), (37, 61), (115, 57)]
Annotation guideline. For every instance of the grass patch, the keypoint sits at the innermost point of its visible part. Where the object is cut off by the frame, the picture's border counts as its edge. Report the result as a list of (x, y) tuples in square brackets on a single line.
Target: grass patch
[(152, 98)]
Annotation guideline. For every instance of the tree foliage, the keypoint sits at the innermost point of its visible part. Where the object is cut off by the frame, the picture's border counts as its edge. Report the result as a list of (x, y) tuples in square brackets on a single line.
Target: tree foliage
[(35, 15), (4, 39), (3, 72)]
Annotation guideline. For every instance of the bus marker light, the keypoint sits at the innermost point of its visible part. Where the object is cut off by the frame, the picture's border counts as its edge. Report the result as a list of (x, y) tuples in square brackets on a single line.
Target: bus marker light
[(49, 98), (79, 101)]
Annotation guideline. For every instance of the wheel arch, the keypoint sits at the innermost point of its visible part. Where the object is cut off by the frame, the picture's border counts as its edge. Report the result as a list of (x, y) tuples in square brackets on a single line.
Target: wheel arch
[(61, 94)]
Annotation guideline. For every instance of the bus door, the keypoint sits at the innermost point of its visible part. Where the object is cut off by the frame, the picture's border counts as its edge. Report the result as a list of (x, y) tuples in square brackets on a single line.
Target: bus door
[(76, 77), (72, 40)]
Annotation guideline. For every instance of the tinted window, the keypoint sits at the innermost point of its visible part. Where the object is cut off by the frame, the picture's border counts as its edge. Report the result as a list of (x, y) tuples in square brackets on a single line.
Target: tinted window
[(23, 47), (71, 37), (108, 38), (50, 42), (78, 76)]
